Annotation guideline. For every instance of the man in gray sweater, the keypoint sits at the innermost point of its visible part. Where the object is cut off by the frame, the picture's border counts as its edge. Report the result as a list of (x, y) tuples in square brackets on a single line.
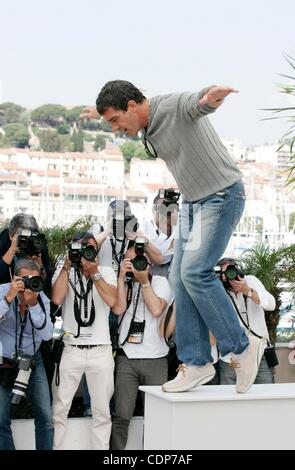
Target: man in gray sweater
[(175, 128)]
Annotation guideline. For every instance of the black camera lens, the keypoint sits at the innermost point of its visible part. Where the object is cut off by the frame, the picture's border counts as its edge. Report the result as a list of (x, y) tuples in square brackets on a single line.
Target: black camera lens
[(140, 263), (232, 273), (34, 283), (89, 252)]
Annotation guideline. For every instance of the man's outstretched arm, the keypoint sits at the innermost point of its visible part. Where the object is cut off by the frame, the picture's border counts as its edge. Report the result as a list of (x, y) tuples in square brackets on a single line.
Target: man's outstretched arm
[(215, 95)]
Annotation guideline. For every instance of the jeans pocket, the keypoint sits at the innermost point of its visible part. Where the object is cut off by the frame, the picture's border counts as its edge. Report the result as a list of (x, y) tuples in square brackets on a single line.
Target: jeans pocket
[(239, 206)]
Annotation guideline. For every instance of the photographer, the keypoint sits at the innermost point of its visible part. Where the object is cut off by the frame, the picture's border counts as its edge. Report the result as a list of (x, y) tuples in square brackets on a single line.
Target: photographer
[(86, 292), (24, 323), (141, 357), (251, 299), (36, 249), (161, 229)]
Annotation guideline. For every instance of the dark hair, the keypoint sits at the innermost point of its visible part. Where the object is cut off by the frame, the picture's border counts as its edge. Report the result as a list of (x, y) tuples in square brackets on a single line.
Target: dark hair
[(116, 94), (120, 205), (83, 237), (227, 260), (27, 221), (26, 264)]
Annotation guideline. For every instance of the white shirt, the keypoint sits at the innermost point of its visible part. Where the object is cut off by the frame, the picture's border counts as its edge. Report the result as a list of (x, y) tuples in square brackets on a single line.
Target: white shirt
[(98, 332), (160, 240), (153, 345), (255, 313)]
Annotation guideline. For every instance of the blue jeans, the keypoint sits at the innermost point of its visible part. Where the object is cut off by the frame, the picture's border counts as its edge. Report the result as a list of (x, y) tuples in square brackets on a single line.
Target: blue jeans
[(228, 375), (38, 394), (202, 303)]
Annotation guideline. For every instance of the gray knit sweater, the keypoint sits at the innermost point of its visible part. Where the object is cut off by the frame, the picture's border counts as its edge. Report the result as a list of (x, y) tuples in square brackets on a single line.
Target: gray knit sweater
[(184, 138)]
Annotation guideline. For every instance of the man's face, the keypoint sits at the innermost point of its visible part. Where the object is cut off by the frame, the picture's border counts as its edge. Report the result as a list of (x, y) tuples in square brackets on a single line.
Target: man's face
[(124, 121)]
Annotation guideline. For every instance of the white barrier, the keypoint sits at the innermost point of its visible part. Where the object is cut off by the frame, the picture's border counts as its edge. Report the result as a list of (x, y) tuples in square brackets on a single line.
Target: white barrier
[(78, 434), (216, 417)]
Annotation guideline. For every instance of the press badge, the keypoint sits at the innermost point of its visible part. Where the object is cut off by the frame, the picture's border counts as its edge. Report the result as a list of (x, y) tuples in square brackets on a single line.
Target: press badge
[(136, 332)]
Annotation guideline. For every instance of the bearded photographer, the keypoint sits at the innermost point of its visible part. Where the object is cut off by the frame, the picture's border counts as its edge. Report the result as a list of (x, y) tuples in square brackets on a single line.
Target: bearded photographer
[(24, 323), (251, 300), (141, 358), (86, 292)]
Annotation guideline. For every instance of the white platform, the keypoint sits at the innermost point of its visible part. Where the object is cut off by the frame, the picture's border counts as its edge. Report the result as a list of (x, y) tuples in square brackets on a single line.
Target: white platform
[(216, 417), (78, 434)]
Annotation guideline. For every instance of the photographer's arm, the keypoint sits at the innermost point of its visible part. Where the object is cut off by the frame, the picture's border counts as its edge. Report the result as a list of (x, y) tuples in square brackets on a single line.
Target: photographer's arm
[(121, 302), (107, 292), (61, 285), (11, 252), (155, 304)]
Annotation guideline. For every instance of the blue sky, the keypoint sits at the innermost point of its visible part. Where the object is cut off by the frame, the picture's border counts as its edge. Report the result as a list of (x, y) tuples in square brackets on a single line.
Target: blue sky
[(63, 51)]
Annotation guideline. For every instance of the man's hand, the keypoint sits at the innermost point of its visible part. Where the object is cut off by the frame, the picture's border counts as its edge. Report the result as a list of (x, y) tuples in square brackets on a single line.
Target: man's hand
[(17, 285), (240, 285), (37, 259), (126, 266), (13, 247), (141, 276), (89, 266), (215, 96), (90, 112), (30, 297)]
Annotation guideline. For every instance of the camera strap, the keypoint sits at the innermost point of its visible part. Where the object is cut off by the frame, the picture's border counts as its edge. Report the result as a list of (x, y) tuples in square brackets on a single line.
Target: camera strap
[(23, 322), (83, 297), (134, 311), (118, 257), (242, 320), (41, 303)]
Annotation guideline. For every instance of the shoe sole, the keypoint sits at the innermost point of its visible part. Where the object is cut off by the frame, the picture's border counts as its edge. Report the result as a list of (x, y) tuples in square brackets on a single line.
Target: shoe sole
[(260, 352), (186, 388)]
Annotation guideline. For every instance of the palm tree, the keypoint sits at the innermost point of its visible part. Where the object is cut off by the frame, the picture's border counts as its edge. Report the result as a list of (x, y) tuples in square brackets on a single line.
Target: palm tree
[(58, 238), (276, 270), (289, 137)]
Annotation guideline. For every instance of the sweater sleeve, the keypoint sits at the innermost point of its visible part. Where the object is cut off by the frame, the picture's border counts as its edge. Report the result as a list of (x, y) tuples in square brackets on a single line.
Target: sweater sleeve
[(192, 106)]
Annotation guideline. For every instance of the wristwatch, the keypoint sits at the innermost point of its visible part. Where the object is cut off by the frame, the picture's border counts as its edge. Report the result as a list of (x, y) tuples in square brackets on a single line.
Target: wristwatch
[(250, 293), (145, 285), (97, 277)]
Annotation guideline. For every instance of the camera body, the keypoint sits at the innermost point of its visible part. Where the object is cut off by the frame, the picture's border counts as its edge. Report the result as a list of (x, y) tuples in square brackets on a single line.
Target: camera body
[(30, 242), (34, 283), (232, 272), (169, 196), (123, 223), (25, 365), (140, 262), (77, 251)]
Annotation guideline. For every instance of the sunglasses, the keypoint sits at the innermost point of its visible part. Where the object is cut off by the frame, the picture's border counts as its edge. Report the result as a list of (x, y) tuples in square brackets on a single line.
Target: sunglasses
[(148, 146)]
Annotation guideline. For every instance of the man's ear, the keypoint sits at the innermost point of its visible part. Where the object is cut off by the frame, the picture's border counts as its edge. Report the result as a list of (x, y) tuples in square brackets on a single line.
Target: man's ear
[(132, 105)]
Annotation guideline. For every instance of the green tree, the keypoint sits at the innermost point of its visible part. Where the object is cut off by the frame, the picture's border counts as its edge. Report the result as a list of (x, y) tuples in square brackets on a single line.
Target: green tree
[(50, 141), (10, 113), (288, 113), (141, 153), (63, 129), (58, 238), (49, 115), (77, 141), (92, 125), (276, 270), (73, 115), (128, 150), (100, 142), (16, 135)]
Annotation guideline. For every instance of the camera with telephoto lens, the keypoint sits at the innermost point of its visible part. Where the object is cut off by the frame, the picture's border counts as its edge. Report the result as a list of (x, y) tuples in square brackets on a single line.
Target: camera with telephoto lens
[(123, 223), (30, 242), (169, 196), (140, 262), (25, 366), (232, 272), (77, 251), (34, 283)]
